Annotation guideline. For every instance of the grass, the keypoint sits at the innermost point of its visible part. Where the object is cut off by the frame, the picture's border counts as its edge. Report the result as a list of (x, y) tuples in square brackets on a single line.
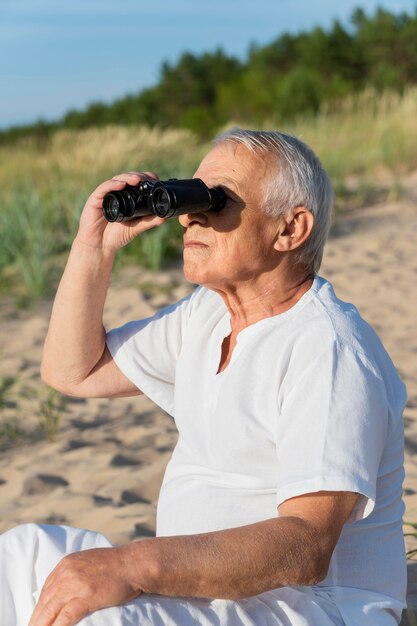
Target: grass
[(19, 401), (366, 143), (6, 384), (367, 136), (11, 433), (50, 411)]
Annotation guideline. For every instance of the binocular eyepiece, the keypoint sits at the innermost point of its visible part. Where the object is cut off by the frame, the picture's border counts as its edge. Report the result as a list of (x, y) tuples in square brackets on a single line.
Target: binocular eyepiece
[(163, 199)]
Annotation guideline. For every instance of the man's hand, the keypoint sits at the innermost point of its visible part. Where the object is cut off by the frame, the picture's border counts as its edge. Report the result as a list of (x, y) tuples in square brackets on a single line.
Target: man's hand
[(97, 232), (292, 549), (84, 582)]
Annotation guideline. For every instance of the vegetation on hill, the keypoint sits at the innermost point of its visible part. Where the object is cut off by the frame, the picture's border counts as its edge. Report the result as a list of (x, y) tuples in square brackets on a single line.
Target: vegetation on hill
[(293, 75)]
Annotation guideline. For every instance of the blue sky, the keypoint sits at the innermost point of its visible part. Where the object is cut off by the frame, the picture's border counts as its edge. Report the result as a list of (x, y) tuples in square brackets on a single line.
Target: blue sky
[(62, 54)]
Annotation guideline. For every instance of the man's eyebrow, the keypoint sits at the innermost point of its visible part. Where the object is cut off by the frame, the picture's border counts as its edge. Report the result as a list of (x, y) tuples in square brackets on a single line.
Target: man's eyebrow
[(228, 184)]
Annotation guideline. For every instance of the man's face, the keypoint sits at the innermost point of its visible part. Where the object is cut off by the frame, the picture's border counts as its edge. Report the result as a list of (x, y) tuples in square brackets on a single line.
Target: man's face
[(236, 244)]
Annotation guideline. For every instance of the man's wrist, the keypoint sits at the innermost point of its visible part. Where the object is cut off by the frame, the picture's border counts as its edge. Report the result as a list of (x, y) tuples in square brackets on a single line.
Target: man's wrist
[(89, 248), (142, 564)]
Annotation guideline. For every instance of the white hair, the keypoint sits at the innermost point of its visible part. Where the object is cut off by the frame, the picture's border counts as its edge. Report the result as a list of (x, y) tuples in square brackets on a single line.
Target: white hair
[(300, 180)]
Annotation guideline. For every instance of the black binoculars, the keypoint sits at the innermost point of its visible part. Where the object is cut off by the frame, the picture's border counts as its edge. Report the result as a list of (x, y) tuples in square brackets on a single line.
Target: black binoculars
[(163, 199)]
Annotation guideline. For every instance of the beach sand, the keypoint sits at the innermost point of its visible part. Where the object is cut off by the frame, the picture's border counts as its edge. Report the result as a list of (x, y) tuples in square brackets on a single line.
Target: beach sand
[(105, 467)]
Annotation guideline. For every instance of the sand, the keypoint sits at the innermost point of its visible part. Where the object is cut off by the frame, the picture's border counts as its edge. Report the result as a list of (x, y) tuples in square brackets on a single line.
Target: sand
[(104, 468)]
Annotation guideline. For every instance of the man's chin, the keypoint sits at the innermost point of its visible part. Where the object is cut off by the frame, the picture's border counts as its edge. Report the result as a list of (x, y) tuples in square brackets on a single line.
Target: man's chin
[(192, 277), (194, 273)]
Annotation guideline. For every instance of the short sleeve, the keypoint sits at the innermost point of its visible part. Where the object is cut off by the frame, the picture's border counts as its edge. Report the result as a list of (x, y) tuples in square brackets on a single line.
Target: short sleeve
[(332, 426), (147, 351)]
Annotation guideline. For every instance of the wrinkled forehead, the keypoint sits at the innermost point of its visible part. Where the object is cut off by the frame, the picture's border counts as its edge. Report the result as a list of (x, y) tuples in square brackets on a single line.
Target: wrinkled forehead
[(233, 162)]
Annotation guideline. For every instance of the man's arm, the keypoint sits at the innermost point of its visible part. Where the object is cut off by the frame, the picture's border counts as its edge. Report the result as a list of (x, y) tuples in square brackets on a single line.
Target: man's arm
[(75, 359), (293, 549)]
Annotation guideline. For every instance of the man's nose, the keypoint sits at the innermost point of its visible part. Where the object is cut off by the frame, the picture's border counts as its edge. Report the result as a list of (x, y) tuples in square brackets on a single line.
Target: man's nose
[(186, 219)]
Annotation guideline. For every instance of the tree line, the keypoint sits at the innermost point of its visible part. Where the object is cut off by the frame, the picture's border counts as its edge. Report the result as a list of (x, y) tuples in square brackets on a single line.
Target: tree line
[(294, 74)]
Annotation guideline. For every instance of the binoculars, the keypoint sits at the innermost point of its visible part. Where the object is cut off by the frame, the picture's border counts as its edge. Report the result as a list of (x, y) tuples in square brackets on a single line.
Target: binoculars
[(163, 199)]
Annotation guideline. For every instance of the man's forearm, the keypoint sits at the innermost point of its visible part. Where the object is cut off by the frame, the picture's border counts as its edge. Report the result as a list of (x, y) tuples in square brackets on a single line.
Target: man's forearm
[(76, 337), (233, 563)]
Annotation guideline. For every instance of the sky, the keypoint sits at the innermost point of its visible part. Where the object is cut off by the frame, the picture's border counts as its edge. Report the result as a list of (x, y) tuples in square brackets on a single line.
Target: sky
[(57, 55)]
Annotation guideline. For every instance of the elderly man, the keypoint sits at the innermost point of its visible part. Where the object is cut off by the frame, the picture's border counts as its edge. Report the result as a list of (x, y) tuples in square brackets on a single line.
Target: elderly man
[(282, 501)]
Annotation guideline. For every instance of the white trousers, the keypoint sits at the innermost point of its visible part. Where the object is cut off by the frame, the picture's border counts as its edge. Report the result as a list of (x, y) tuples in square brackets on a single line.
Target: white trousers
[(30, 552)]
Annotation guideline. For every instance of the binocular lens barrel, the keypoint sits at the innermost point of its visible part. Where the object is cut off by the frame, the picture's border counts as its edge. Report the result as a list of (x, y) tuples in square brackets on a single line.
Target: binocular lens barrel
[(162, 202), (127, 204), (111, 206), (162, 198)]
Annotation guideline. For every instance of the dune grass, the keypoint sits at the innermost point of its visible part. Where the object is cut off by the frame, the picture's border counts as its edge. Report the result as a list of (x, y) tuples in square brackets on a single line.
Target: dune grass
[(44, 183), (367, 135)]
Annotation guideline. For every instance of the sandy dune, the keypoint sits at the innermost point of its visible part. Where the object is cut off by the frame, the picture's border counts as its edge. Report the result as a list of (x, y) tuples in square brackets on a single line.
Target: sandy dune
[(105, 467)]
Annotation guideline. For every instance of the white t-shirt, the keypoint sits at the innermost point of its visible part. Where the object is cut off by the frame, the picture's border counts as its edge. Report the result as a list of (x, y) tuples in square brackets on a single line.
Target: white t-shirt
[(310, 401)]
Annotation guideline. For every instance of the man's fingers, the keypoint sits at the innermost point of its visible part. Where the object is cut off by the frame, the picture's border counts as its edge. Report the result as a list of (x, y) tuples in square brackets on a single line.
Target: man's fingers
[(56, 611), (75, 610), (118, 182), (138, 226), (135, 176), (110, 185), (130, 176), (44, 614), (151, 175)]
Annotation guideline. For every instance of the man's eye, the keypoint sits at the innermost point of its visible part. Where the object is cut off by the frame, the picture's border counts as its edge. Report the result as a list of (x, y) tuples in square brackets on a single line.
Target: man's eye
[(232, 197)]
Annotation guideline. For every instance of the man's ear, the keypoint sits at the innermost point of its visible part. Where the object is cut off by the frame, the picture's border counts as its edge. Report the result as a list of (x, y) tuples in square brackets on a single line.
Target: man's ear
[(294, 229)]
